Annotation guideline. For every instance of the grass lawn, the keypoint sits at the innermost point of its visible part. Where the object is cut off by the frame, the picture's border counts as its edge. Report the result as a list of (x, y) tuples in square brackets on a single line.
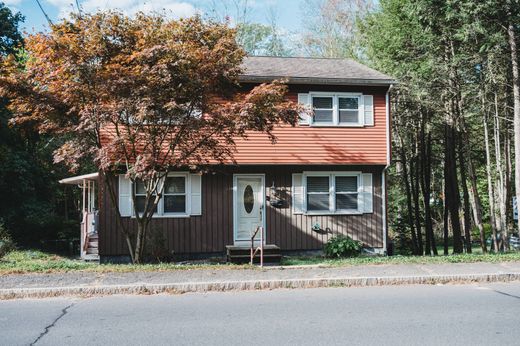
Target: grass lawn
[(34, 261), (365, 260), (20, 262)]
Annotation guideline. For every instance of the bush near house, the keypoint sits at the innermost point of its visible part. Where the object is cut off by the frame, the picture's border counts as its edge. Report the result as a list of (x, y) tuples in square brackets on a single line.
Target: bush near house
[(342, 246)]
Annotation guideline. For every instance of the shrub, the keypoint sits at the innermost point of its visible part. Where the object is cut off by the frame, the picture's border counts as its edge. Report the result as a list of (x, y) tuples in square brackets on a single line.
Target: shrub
[(156, 249), (342, 246), (6, 242)]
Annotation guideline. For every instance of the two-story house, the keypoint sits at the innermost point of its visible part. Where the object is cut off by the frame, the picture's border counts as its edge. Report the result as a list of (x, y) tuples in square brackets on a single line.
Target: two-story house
[(323, 177)]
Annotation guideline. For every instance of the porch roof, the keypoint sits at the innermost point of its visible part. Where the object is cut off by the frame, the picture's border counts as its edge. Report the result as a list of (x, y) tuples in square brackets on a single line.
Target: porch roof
[(79, 179)]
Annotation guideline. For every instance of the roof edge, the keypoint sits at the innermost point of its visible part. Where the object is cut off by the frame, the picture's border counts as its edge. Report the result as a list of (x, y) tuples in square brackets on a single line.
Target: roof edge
[(79, 178), (319, 81)]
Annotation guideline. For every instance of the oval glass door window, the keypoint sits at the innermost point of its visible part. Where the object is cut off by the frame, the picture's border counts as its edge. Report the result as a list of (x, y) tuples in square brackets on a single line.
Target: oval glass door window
[(249, 199)]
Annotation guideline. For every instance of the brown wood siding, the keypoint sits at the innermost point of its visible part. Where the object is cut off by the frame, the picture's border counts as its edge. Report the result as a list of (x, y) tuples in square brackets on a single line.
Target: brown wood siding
[(213, 230)]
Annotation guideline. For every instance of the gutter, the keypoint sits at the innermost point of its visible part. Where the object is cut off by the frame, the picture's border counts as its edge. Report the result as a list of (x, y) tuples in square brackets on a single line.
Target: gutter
[(383, 175), (318, 80)]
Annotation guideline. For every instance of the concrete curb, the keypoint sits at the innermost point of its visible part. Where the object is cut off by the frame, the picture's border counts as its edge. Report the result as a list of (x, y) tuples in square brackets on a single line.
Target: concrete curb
[(201, 287)]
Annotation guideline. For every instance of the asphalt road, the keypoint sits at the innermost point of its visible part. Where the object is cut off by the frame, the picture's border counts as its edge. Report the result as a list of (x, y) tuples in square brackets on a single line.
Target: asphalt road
[(403, 315)]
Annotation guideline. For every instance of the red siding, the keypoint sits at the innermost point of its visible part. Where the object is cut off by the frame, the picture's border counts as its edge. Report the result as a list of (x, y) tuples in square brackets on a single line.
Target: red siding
[(304, 144), (321, 145)]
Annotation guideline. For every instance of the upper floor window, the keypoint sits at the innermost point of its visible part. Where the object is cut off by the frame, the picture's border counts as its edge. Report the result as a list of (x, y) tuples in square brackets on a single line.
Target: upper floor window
[(323, 109), (338, 109)]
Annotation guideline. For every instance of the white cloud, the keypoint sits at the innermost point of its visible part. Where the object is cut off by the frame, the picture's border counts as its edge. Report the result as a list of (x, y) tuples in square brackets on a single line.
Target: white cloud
[(174, 9)]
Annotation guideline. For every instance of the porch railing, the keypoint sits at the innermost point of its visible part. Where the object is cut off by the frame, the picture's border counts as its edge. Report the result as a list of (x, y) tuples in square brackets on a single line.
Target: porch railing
[(85, 231), (260, 248)]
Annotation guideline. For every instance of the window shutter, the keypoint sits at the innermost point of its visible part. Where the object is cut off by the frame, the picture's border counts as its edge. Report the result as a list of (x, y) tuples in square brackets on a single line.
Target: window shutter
[(368, 102), (195, 194), (368, 192), (303, 99), (125, 196), (297, 193)]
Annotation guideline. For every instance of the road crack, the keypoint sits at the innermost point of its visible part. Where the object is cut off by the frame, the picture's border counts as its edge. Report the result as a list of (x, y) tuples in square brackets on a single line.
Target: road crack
[(48, 328), (506, 294)]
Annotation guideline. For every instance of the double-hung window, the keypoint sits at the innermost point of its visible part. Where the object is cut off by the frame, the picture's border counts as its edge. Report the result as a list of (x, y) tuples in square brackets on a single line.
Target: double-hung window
[(174, 200), (346, 193), (332, 193), (318, 193), (337, 109), (140, 197), (348, 108), (323, 109), (174, 195), (181, 196)]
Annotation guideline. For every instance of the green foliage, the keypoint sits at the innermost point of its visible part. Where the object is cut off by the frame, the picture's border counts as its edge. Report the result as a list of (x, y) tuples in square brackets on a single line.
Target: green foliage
[(31, 261), (260, 39), (10, 36), (6, 242), (33, 204), (367, 260), (342, 246), (156, 245), (475, 233)]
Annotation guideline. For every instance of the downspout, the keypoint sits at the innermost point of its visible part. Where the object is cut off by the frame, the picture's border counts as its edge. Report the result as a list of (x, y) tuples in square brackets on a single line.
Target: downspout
[(383, 175)]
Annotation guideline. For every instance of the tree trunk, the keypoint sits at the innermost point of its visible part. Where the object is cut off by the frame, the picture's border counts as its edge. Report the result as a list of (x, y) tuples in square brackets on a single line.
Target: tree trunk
[(491, 193), (451, 184), (406, 183), (463, 181), (426, 189), (115, 207), (142, 227), (450, 148), (509, 195), (446, 219), (476, 204), (516, 106), (414, 177), (500, 186)]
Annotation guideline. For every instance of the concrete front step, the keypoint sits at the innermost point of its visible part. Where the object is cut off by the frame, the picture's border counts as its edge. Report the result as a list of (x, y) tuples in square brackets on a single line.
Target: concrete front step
[(242, 254)]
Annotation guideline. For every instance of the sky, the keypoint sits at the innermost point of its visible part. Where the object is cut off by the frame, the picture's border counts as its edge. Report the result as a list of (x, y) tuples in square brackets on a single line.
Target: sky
[(288, 14)]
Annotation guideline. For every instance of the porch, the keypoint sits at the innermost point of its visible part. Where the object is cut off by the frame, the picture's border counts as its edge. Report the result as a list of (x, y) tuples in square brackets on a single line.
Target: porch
[(89, 239)]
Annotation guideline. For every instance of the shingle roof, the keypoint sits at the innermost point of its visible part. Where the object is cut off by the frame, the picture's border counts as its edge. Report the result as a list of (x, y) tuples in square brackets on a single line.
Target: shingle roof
[(311, 70)]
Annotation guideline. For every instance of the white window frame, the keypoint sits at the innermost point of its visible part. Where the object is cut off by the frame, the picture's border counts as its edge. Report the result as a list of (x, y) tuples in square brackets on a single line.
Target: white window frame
[(332, 193), (335, 109), (160, 206), (357, 192), (324, 123), (186, 193)]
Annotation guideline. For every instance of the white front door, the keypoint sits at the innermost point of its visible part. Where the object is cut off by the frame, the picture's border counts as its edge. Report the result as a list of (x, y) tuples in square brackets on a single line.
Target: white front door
[(249, 207)]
